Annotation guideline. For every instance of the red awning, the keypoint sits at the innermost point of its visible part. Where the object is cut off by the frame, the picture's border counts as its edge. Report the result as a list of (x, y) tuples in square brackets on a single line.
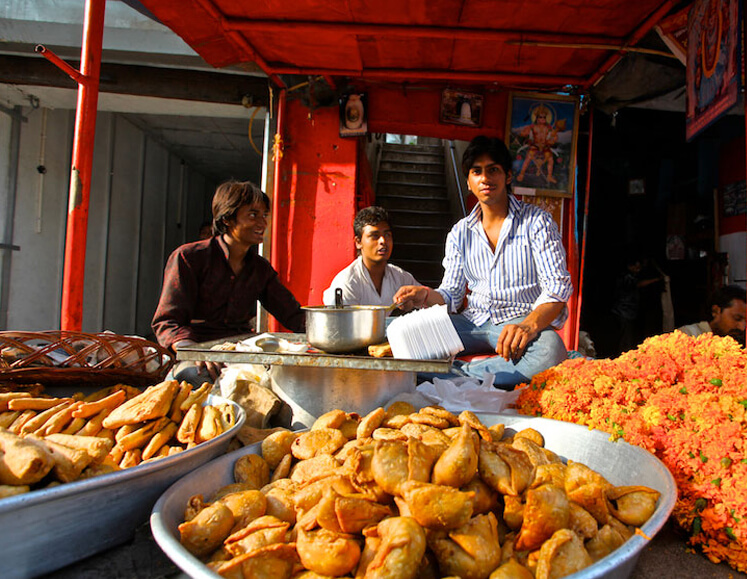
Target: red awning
[(513, 43)]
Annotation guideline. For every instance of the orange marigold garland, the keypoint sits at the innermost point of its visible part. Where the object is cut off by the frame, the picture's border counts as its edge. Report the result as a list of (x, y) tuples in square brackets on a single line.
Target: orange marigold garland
[(683, 399)]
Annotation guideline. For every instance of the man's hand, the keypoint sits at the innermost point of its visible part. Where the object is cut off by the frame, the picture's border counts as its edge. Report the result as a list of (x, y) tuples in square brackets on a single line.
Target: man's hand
[(410, 297), (514, 339), (210, 369)]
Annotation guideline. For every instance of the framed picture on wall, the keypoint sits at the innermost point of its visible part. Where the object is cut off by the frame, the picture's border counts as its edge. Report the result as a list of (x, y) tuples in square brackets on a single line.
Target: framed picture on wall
[(542, 131), (461, 108), (353, 115)]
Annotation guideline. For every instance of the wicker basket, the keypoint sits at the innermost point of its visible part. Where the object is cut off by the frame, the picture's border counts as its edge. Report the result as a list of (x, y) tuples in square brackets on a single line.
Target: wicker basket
[(62, 358)]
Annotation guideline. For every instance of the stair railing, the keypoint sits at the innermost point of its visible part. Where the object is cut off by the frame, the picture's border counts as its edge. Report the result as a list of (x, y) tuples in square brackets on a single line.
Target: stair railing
[(452, 148)]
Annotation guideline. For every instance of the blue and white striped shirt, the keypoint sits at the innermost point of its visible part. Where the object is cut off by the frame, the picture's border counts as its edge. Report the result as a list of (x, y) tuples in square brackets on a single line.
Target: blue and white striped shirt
[(528, 267)]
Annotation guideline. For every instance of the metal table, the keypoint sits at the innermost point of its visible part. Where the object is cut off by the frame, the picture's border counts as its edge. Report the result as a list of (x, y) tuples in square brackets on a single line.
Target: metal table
[(314, 382)]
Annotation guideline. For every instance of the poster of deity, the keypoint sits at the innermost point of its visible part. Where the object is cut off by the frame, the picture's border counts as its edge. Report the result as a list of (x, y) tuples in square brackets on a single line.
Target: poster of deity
[(712, 62)]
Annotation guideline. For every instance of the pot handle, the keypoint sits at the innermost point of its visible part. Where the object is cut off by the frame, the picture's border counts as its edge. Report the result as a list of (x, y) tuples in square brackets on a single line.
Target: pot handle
[(338, 297)]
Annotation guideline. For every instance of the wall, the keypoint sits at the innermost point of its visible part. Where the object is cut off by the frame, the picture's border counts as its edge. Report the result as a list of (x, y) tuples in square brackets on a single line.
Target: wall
[(144, 203), (316, 204)]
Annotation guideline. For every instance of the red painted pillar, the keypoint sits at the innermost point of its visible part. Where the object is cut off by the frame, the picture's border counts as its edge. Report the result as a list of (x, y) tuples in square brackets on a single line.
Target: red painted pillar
[(82, 163), (314, 204)]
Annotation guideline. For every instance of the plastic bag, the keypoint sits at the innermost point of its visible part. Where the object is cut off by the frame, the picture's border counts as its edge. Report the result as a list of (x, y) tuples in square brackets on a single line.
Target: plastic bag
[(460, 394)]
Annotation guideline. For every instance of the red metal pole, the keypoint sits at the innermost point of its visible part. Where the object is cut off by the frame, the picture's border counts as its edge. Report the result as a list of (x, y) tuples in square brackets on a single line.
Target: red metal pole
[(277, 156), (586, 223), (82, 163)]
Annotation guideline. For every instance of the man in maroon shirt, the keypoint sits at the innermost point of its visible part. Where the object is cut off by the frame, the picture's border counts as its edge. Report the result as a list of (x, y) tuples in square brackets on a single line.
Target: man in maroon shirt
[(211, 287)]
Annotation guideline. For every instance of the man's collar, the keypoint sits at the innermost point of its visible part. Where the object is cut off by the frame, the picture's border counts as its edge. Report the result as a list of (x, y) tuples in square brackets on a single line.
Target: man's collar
[(514, 207)]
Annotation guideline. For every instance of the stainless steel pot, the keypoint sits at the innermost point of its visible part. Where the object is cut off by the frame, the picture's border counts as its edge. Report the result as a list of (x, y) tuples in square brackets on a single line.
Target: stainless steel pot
[(339, 329)]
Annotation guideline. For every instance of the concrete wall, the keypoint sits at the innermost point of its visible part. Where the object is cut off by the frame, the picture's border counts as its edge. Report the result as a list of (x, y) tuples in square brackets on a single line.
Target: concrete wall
[(144, 203)]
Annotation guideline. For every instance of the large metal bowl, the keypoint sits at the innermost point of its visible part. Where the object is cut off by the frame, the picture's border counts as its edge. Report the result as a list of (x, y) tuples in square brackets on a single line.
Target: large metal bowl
[(339, 330), (45, 530), (619, 462)]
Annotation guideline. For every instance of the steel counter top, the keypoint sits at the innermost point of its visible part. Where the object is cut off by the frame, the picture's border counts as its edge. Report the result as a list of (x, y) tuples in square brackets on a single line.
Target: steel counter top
[(312, 358)]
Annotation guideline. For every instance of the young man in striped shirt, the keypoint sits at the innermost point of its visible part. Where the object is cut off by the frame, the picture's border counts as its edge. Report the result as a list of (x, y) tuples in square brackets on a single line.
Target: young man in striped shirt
[(510, 256)]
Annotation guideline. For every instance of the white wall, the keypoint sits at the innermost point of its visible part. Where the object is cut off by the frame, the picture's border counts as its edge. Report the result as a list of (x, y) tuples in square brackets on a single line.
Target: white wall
[(144, 202)]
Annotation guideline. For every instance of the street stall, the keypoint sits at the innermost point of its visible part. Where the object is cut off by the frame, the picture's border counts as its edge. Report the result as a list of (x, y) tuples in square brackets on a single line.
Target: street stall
[(381, 486)]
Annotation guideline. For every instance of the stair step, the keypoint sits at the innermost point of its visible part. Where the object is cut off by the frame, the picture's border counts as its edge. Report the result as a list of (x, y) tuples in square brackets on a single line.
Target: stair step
[(410, 148), (419, 234), (410, 184), (410, 190), (411, 177), (395, 165), (411, 156), (413, 203)]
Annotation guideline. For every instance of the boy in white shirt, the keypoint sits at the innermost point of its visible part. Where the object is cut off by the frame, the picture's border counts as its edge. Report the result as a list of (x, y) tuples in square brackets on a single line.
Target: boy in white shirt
[(370, 280)]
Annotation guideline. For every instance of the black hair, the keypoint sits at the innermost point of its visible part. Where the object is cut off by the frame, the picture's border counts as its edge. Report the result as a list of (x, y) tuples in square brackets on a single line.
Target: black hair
[(724, 296), (369, 216), (483, 145), (232, 195)]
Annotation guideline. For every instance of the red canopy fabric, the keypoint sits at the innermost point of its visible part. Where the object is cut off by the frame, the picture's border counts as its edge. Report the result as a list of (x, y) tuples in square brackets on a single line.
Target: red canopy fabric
[(514, 43)]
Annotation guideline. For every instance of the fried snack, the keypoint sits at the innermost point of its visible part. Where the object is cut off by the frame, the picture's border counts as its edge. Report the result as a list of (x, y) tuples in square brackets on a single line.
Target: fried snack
[(458, 464), (633, 505), (511, 569), (531, 434), (485, 499), (6, 397), (354, 513), (210, 424), (472, 551), (326, 552), (19, 422), (547, 510), (504, 468), (604, 541), (8, 417), (470, 418), (276, 446), (188, 428), (588, 489), (400, 551), (35, 403), (275, 561), (131, 458), (176, 413), (140, 437), (87, 409), (534, 452), (389, 434), (207, 530), (13, 490), (74, 426), (159, 440), (370, 422), (97, 448), (68, 462), (331, 419), (317, 442), (252, 470), (280, 504), (21, 461), (380, 350), (246, 506), (197, 396), (581, 522), (563, 554), (256, 534), (399, 407), (437, 507), (58, 421), (94, 424), (227, 416), (314, 469), (130, 392), (283, 469), (37, 421), (125, 430), (441, 413), (154, 403)]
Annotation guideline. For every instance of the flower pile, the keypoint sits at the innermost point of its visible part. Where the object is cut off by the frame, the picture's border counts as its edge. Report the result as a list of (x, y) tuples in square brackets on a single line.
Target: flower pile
[(683, 399)]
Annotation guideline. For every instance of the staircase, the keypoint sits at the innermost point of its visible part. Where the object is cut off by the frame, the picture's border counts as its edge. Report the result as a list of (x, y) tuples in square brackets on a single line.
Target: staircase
[(411, 187)]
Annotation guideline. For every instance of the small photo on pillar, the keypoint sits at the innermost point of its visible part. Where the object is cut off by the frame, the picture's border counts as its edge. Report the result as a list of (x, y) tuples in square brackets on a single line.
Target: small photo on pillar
[(353, 115)]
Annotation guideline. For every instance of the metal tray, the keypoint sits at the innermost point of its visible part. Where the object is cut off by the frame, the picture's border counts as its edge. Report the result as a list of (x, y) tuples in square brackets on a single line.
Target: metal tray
[(620, 462), (45, 530)]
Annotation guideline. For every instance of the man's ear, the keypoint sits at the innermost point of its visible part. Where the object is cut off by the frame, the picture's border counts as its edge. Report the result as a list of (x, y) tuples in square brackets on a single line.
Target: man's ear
[(357, 241), (715, 311)]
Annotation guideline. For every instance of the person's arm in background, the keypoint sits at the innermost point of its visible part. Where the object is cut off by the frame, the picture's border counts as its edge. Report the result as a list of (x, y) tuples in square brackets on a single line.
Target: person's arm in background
[(176, 306), (549, 309), (281, 303)]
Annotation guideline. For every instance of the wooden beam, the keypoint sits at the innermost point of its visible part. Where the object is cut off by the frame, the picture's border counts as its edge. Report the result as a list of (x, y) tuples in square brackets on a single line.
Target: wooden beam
[(193, 85)]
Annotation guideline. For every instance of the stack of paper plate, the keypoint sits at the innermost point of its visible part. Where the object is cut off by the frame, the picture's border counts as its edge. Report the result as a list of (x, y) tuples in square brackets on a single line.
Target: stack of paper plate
[(425, 334)]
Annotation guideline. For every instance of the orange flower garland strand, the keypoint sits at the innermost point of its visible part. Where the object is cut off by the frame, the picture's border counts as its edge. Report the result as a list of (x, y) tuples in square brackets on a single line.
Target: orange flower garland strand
[(683, 399)]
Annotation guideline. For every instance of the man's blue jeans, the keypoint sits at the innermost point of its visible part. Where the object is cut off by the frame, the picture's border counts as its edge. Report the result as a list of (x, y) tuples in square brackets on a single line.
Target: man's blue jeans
[(545, 351)]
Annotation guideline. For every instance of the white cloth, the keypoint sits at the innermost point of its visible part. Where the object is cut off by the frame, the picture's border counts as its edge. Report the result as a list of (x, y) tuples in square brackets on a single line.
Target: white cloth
[(358, 288), (696, 329)]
